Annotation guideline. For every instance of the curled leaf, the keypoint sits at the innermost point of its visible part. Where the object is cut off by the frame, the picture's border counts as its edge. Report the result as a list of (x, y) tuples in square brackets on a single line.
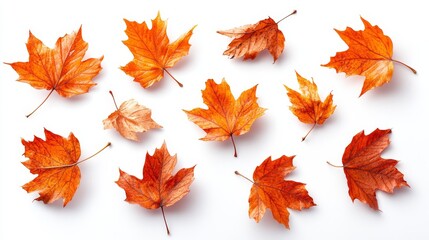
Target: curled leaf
[(307, 105), (249, 40), (130, 118)]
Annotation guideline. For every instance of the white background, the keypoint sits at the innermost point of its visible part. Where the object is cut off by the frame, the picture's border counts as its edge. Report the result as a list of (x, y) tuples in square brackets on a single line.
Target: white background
[(216, 207)]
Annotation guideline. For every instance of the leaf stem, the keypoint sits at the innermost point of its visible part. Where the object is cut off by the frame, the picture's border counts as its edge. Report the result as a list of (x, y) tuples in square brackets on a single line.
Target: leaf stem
[(233, 144), (165, 220), (28, 115), (412, 69), (114, 101), (311, 129), (99, 151), (81, 161), (334, 165), (239, 174), (180, 84), (294, 12)]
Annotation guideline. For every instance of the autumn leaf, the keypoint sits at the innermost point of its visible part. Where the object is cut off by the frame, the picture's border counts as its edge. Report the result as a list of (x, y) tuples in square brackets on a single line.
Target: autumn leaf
[(271, 190), (249, 40), (130, 118), (153, 52), (307, 106), (369, 55), (366, 171), (225, 116), (59, 69), (158, 188), (55, 161)]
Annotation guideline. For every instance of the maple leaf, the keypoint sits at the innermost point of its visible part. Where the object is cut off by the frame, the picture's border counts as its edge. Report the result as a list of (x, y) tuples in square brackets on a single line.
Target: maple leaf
[(55, 161), (225, 116), (369, 54), (59, 69), (250, 40), (130, 118), (307, 106), (366, 171), (271, 190), (158, 188), (153, 52)]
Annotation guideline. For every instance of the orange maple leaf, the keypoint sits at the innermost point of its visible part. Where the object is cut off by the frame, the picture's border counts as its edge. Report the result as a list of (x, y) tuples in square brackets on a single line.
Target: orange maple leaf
[(369, 54), (55, 161), (366, 171), (250, 40), (153, 52), (225, 116), (307, 106), (271, 190), (59, 69), (130, 118), (158, 188)]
